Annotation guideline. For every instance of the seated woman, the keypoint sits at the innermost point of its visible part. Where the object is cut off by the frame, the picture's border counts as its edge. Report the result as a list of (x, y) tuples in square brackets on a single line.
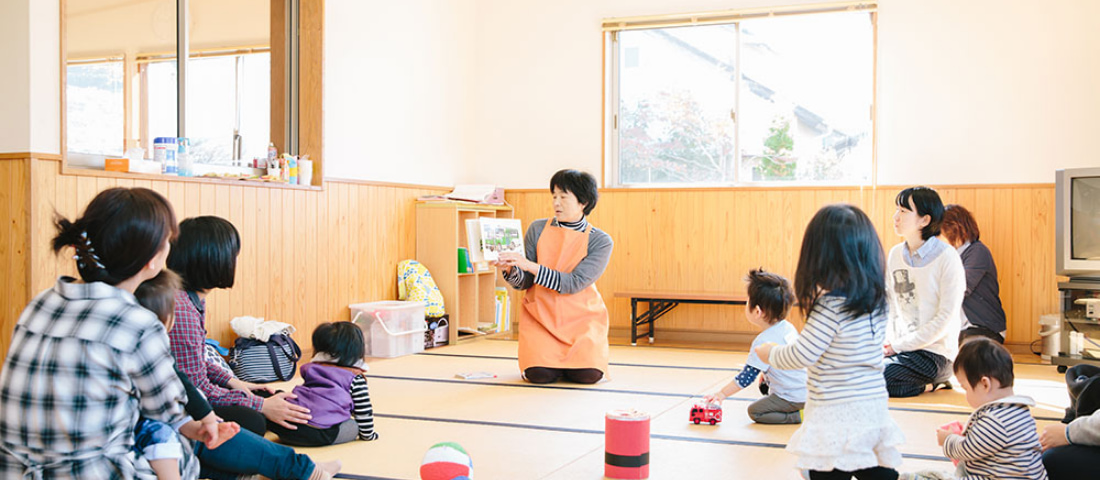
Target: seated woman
[(982, 313), (205, 256), (925, 281), (85, 358), (1072, 452), (563, 320)]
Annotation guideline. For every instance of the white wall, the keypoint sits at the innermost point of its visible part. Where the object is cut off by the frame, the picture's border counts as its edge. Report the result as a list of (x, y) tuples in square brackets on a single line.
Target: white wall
[(45, 77), (15, 132), (982, 91), (29, 86), (987, 91), (398, 89)]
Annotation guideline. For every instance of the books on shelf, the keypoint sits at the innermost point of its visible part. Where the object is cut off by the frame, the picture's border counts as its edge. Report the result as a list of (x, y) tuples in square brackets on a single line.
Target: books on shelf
[(488, 237), (504, 310)]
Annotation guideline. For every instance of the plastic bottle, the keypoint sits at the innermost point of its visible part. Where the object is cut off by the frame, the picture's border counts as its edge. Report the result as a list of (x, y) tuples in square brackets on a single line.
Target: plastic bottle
[(272, 154), (183, 157), (164, 151)]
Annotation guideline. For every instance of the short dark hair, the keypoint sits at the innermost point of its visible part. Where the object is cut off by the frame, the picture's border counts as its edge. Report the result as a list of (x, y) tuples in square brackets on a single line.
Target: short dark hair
[(771, 292), (841, 253), (581, 184), (205, 253), (122, 229), (927, 202), (959, 225), (158, 294), (342, 340), (981, 357)]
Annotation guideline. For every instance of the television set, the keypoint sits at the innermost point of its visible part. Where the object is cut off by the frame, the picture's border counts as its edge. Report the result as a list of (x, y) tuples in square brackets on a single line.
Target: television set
[(1077, 223)]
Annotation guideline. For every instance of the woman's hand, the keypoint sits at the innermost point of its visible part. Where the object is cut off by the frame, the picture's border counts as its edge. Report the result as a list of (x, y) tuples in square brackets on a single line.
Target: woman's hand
[(888, 350), (280, 411), (1053, 436), (519, 261), (764, 352)]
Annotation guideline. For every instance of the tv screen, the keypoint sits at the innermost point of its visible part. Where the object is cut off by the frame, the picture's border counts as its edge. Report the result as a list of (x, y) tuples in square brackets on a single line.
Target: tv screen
[(1085, 220)]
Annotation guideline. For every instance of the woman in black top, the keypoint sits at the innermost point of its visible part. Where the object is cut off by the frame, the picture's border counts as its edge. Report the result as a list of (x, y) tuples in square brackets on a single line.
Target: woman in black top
[(983, 314)]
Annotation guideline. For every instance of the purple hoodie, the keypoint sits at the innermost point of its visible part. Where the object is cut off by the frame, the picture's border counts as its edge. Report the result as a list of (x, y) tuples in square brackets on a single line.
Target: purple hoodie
[(326, 393)]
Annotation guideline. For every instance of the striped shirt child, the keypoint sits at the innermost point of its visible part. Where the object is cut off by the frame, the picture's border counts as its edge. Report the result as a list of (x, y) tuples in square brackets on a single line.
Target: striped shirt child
[(1000, 442)]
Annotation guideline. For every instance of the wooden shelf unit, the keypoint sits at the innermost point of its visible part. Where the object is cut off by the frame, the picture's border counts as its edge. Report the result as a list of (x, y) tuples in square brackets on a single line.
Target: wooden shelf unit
[(469, 298)]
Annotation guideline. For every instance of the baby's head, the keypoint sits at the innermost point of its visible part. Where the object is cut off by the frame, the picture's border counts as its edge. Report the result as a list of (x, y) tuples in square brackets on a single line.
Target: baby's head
[(343, 341), (770, 298), (984, 368), (158, 295)]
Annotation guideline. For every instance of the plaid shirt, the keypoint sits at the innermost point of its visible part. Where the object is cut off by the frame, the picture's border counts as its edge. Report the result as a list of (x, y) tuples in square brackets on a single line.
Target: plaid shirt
[(85, 360), (188, 337)]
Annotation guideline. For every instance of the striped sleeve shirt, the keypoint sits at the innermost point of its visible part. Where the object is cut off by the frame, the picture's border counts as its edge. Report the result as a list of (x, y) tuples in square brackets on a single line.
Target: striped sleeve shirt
[(546, 277), (1000, 442), (363, 410), (841, 351)]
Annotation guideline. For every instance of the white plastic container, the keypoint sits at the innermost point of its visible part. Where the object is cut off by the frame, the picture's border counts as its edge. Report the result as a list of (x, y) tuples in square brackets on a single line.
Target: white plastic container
[(390, 328)]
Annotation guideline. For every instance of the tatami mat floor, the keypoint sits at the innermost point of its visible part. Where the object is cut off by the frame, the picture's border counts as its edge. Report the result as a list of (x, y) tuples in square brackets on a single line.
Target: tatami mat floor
[(514, 430)]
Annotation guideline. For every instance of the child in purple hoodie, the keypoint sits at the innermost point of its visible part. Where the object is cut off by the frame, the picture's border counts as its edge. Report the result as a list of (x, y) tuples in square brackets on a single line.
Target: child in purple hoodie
[(335, 391)]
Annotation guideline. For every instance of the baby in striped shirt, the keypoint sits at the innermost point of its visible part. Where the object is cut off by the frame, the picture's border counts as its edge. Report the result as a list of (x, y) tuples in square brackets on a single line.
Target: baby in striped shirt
[(1000, 441)]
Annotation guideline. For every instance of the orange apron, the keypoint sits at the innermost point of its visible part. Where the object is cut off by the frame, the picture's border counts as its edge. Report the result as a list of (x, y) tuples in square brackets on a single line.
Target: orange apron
[(557, 330)]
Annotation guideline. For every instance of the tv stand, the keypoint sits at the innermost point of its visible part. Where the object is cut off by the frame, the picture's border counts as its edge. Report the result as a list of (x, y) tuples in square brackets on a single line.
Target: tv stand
[(1074, 319)]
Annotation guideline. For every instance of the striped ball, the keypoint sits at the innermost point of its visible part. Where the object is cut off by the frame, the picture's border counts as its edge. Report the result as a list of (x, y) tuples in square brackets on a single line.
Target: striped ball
[(446, 461)]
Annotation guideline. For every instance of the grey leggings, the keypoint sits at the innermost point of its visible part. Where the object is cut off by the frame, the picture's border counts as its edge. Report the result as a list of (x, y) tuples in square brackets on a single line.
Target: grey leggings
[(774, 409)]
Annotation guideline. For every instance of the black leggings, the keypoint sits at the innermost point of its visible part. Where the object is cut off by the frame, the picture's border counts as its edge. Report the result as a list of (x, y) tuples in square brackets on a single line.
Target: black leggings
[(975, 331), (247, 418), (877, 473), (1072, 462), (544, 375)]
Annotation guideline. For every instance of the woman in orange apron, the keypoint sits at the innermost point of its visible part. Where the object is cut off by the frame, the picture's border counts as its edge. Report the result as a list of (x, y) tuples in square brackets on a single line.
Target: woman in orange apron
[(563, 321)]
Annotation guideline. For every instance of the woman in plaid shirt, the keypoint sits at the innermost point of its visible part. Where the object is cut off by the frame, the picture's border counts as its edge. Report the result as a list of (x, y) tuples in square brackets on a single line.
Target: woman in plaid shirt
[(85, 358)]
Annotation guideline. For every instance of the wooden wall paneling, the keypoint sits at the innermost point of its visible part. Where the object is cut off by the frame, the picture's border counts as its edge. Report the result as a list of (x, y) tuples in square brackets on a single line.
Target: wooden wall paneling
[(709, 239), (14, 235)]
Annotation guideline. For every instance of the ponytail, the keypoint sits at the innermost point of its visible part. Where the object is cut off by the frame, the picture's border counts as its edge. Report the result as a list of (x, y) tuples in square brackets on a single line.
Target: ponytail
[(120, 232)]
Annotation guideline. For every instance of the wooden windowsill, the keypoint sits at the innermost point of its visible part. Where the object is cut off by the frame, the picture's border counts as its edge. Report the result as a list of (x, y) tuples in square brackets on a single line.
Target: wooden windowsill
[(94, 172)]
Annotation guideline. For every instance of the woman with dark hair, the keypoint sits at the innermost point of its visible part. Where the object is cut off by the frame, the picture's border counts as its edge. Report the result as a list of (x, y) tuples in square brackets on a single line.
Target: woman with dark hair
[(563, 322), (205, 256), (982, 313), (86, 359), (926, 283)]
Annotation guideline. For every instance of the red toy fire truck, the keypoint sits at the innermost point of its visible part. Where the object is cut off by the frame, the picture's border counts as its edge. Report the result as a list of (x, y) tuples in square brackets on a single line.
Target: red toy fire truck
[(706, 412)]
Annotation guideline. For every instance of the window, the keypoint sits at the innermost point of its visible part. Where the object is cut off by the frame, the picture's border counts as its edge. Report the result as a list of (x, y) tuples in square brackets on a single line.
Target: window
[(772, 99), (94, 105)]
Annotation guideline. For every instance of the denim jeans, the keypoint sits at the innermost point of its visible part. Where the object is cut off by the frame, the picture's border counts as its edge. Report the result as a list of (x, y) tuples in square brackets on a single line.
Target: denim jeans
[(247, 454)]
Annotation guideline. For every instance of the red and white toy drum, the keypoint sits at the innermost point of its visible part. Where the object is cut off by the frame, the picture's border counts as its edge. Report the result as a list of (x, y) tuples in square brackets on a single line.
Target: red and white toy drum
[(626, 445)]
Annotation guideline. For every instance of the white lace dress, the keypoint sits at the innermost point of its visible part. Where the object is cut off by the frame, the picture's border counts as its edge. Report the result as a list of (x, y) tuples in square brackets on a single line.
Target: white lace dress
[(847, 436)]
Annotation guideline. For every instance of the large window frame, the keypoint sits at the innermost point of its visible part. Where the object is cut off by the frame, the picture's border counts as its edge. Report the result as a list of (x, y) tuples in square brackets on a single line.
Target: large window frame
[(612, 29), (297, 53)]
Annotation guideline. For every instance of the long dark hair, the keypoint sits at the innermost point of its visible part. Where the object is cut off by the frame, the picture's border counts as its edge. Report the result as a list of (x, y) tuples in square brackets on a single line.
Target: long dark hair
[(841, 253), (122, 229)]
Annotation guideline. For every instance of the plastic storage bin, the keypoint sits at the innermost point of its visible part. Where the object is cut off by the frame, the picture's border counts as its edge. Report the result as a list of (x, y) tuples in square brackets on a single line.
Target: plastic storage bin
[(390, 328)]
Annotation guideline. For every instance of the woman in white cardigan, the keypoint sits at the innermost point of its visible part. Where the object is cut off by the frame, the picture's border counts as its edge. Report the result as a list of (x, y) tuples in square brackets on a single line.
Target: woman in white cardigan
[(926, 283)]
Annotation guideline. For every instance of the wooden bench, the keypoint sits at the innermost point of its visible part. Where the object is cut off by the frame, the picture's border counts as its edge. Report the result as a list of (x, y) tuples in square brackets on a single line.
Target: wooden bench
[(661, 302)]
